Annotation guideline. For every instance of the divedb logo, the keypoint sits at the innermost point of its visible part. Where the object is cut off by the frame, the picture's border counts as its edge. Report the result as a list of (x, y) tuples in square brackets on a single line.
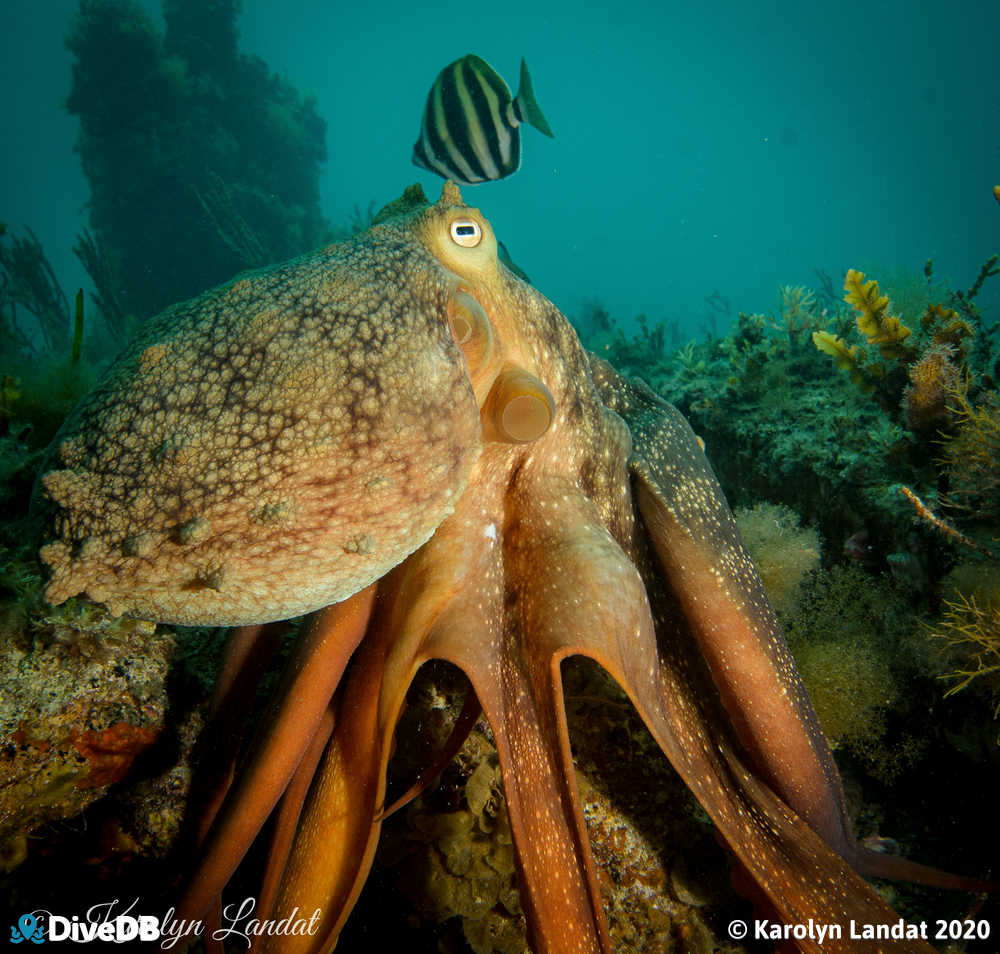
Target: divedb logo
[(27, 929), (112, 922), (99, 924)]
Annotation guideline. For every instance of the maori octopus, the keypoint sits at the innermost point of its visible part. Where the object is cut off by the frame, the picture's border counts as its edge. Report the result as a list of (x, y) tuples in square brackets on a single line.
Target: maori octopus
[(397, 435)]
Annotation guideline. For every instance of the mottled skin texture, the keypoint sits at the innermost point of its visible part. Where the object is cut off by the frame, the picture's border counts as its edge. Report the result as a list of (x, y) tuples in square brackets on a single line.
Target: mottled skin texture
[(402, 410), (249, 459)]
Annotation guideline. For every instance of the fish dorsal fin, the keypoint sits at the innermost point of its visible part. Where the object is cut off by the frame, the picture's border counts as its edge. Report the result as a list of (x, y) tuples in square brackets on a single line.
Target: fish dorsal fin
[(528, 110)]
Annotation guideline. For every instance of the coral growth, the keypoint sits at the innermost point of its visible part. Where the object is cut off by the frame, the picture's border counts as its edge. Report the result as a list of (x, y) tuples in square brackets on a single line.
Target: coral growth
[(933, 378)]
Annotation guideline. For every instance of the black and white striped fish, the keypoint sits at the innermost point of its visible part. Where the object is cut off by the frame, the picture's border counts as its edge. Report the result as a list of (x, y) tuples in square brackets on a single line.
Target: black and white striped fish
[(470, 128)]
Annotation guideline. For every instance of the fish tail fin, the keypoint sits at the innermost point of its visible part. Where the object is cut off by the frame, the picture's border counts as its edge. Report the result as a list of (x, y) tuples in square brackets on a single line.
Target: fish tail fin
[(528, 110)]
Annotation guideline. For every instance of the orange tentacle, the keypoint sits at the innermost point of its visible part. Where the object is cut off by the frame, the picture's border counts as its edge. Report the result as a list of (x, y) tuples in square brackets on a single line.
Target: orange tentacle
[(288, 815), (471, 710), (248, 652), (310, 681)]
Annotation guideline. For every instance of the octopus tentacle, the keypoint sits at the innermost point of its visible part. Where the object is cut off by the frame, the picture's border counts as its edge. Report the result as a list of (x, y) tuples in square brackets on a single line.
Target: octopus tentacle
[(565, 914), (248, 652), (464, 724), (671, 690), (723, 602), (322, 654), (339, 829), (447, 602), (570, 588), (288, 814)]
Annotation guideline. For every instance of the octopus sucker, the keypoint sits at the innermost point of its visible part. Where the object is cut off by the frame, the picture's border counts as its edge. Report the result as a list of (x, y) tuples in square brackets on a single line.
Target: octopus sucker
[(426, 460)]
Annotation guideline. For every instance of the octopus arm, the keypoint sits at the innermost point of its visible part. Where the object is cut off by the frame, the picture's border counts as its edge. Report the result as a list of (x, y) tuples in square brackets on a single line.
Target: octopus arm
[(752, 750), (553, 583), (506, 614), (340, 825), (719, 594), (232, 819)]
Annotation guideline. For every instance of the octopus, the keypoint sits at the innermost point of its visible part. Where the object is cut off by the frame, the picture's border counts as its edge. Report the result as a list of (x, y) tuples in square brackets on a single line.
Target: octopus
[(399, 437)]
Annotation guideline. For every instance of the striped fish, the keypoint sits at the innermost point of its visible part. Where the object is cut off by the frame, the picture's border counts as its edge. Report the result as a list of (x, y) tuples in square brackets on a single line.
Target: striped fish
[(470, 128)]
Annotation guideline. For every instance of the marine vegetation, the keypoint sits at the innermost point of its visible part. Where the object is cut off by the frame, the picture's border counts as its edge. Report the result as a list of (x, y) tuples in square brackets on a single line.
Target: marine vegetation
[(46, 365), (937, 362), (397, 435), (971, 455), (201, 162), (854, 638), (900, 510), (28, 282), (783, 552), (976, 629), (969, 629)]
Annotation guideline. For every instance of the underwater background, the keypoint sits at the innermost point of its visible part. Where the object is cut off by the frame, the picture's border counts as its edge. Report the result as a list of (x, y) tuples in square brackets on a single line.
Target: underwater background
[(735, 148), (723, 188)]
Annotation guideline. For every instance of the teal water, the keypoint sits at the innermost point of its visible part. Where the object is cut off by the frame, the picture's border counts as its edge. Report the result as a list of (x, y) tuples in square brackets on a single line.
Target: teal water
[(735, 149)]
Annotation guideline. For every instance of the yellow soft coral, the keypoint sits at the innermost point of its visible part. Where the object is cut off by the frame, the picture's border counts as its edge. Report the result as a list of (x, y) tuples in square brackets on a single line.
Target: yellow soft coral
[(880, 328)]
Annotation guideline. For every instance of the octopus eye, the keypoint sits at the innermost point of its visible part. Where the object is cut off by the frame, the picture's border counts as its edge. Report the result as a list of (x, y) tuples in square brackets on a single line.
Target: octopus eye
[(466, 232)]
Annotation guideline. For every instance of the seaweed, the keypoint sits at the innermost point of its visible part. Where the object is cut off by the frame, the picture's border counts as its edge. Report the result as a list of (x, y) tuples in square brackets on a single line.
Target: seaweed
[(880, 328), (200, 161), (974, 630), (30, 283)]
